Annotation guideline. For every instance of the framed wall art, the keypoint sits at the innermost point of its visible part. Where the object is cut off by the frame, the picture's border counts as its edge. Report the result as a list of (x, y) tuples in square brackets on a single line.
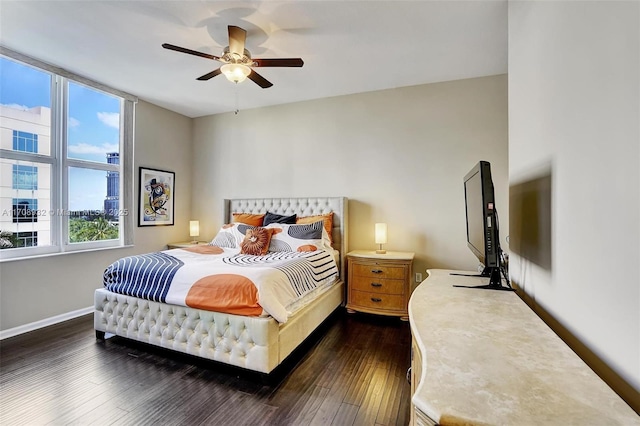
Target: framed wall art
[(156, 197)]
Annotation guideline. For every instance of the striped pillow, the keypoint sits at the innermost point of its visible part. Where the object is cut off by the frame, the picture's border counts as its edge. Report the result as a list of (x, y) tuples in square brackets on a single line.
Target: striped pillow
[(326, 218), (306, 237)]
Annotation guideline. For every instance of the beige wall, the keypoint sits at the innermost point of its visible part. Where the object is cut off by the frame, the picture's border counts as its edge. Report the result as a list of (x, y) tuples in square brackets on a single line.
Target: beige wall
[(574, 104), (398, 155), (38, 289)]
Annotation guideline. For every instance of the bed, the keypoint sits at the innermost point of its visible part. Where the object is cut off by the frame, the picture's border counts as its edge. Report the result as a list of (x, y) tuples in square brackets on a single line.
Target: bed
[(257, 343)]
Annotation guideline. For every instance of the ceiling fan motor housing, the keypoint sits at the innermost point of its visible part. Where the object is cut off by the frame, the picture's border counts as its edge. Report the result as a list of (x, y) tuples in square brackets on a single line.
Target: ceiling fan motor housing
[(233, 58)]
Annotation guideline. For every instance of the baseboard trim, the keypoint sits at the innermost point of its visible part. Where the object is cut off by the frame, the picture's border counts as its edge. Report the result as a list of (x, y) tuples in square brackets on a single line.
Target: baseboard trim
[(5, 334)]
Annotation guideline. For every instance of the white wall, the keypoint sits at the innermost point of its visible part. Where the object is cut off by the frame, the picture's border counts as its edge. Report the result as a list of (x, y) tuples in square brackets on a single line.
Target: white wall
[(38, 289), (574, 103), (398, 155)]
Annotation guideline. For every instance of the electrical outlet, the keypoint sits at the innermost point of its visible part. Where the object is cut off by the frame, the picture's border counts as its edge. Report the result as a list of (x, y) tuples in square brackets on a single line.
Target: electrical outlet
[(418, 277)]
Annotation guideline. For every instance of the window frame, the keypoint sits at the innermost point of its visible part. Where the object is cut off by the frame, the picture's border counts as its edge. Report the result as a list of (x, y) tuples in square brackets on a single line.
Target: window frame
[(60, 164)]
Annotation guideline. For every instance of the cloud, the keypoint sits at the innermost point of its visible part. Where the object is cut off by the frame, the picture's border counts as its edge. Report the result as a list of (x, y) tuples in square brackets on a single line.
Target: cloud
[(111, 119), (85, 148), (72, 122), (16, 106)]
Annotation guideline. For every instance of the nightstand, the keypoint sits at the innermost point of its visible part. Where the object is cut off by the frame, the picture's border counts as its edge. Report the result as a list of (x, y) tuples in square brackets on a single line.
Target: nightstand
[(186, 244), (379, 283)]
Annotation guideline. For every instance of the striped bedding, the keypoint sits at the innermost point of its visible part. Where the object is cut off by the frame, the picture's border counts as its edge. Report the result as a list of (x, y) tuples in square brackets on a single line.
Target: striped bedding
[(222, 279)]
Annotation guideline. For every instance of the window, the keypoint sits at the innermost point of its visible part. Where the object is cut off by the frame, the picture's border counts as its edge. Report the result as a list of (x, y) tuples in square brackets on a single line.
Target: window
[(25, 210), (68, 144), (25, 177), (27, 239), (25, 141)]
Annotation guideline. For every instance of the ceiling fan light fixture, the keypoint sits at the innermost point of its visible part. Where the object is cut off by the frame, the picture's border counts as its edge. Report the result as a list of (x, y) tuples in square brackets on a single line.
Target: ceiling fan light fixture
[(236, 73), (237, 60)]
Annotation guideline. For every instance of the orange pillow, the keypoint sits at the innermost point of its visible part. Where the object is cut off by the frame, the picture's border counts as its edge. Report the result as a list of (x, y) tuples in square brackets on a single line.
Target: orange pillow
[(248, 218), (256, 241), (327, 218)]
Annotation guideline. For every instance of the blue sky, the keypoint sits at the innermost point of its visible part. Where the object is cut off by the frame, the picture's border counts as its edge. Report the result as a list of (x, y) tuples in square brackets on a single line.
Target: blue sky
[(92, 126)]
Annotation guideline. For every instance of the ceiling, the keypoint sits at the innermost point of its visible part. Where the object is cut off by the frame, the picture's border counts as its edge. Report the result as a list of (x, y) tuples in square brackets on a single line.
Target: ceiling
[(347, 46)]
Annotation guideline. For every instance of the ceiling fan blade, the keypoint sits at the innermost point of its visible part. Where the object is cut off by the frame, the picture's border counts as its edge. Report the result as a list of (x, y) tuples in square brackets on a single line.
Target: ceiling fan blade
[(259, 80), (190, 52), (237, 38), (209, 75), (282, 62)]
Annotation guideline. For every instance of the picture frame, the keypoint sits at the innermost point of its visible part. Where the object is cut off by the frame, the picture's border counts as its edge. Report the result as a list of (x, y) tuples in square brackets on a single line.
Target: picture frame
[(156, 197)]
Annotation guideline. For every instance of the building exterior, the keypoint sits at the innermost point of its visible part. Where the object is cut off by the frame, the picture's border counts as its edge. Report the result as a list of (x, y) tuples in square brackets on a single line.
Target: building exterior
[(25, 186), (112, 200)]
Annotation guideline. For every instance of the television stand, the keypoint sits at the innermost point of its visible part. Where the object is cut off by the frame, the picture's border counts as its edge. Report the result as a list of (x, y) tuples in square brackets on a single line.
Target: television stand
[(519, 354), (495, 280)]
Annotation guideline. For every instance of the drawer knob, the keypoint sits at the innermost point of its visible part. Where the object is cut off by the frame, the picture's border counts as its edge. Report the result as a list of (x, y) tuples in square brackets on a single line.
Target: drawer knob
[(376, 299), (376, 285), (376, 271)]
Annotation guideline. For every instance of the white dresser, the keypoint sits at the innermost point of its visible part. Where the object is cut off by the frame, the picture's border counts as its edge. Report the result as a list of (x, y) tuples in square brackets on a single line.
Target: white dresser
[(484, 357)]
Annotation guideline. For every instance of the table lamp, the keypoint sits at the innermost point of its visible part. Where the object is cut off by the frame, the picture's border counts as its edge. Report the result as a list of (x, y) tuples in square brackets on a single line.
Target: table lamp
[(194, 230), (381, 236)]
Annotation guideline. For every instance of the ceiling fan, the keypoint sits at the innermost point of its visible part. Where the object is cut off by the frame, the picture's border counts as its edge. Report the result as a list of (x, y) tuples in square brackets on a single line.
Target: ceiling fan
[(237, 60)]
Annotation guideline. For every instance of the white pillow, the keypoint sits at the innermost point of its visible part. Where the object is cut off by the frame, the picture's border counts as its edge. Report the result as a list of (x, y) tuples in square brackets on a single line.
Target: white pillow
[(230, 235), (326, 241)]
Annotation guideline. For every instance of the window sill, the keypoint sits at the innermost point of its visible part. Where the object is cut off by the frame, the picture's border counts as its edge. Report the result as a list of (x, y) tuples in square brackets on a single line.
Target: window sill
[(64, 253)]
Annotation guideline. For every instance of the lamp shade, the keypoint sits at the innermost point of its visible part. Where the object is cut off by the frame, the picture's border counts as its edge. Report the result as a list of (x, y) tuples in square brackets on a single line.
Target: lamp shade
[(194, 228), (236, 73), (381, 233)]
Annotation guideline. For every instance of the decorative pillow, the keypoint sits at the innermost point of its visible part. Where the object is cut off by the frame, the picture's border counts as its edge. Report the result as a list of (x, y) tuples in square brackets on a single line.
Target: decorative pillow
[(248, 218), (307, 237), (256, 241), (278, 218), (327, 219), (230, 235)]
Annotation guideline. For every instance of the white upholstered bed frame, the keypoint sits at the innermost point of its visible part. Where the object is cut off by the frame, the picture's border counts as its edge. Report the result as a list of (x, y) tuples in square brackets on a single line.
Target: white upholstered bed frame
[(258, 344)]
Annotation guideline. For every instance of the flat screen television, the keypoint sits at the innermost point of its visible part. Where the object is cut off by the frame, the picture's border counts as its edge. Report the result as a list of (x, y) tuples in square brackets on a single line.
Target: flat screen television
[(483, 236)]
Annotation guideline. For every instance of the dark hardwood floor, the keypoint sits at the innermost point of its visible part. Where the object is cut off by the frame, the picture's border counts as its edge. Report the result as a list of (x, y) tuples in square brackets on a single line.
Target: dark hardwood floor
[(349, 372)]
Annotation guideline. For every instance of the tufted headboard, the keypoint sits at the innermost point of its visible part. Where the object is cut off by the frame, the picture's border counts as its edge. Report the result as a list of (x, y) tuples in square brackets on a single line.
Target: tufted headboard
[(302, 207)]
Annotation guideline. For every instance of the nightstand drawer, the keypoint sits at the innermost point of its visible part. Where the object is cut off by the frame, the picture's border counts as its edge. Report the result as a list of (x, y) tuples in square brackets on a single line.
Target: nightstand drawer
[(378, 271), (378, 301), (378, 285)]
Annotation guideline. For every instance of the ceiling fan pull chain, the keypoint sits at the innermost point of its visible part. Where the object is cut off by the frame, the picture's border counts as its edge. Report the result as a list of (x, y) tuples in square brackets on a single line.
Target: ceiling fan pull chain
[(237, 110)]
